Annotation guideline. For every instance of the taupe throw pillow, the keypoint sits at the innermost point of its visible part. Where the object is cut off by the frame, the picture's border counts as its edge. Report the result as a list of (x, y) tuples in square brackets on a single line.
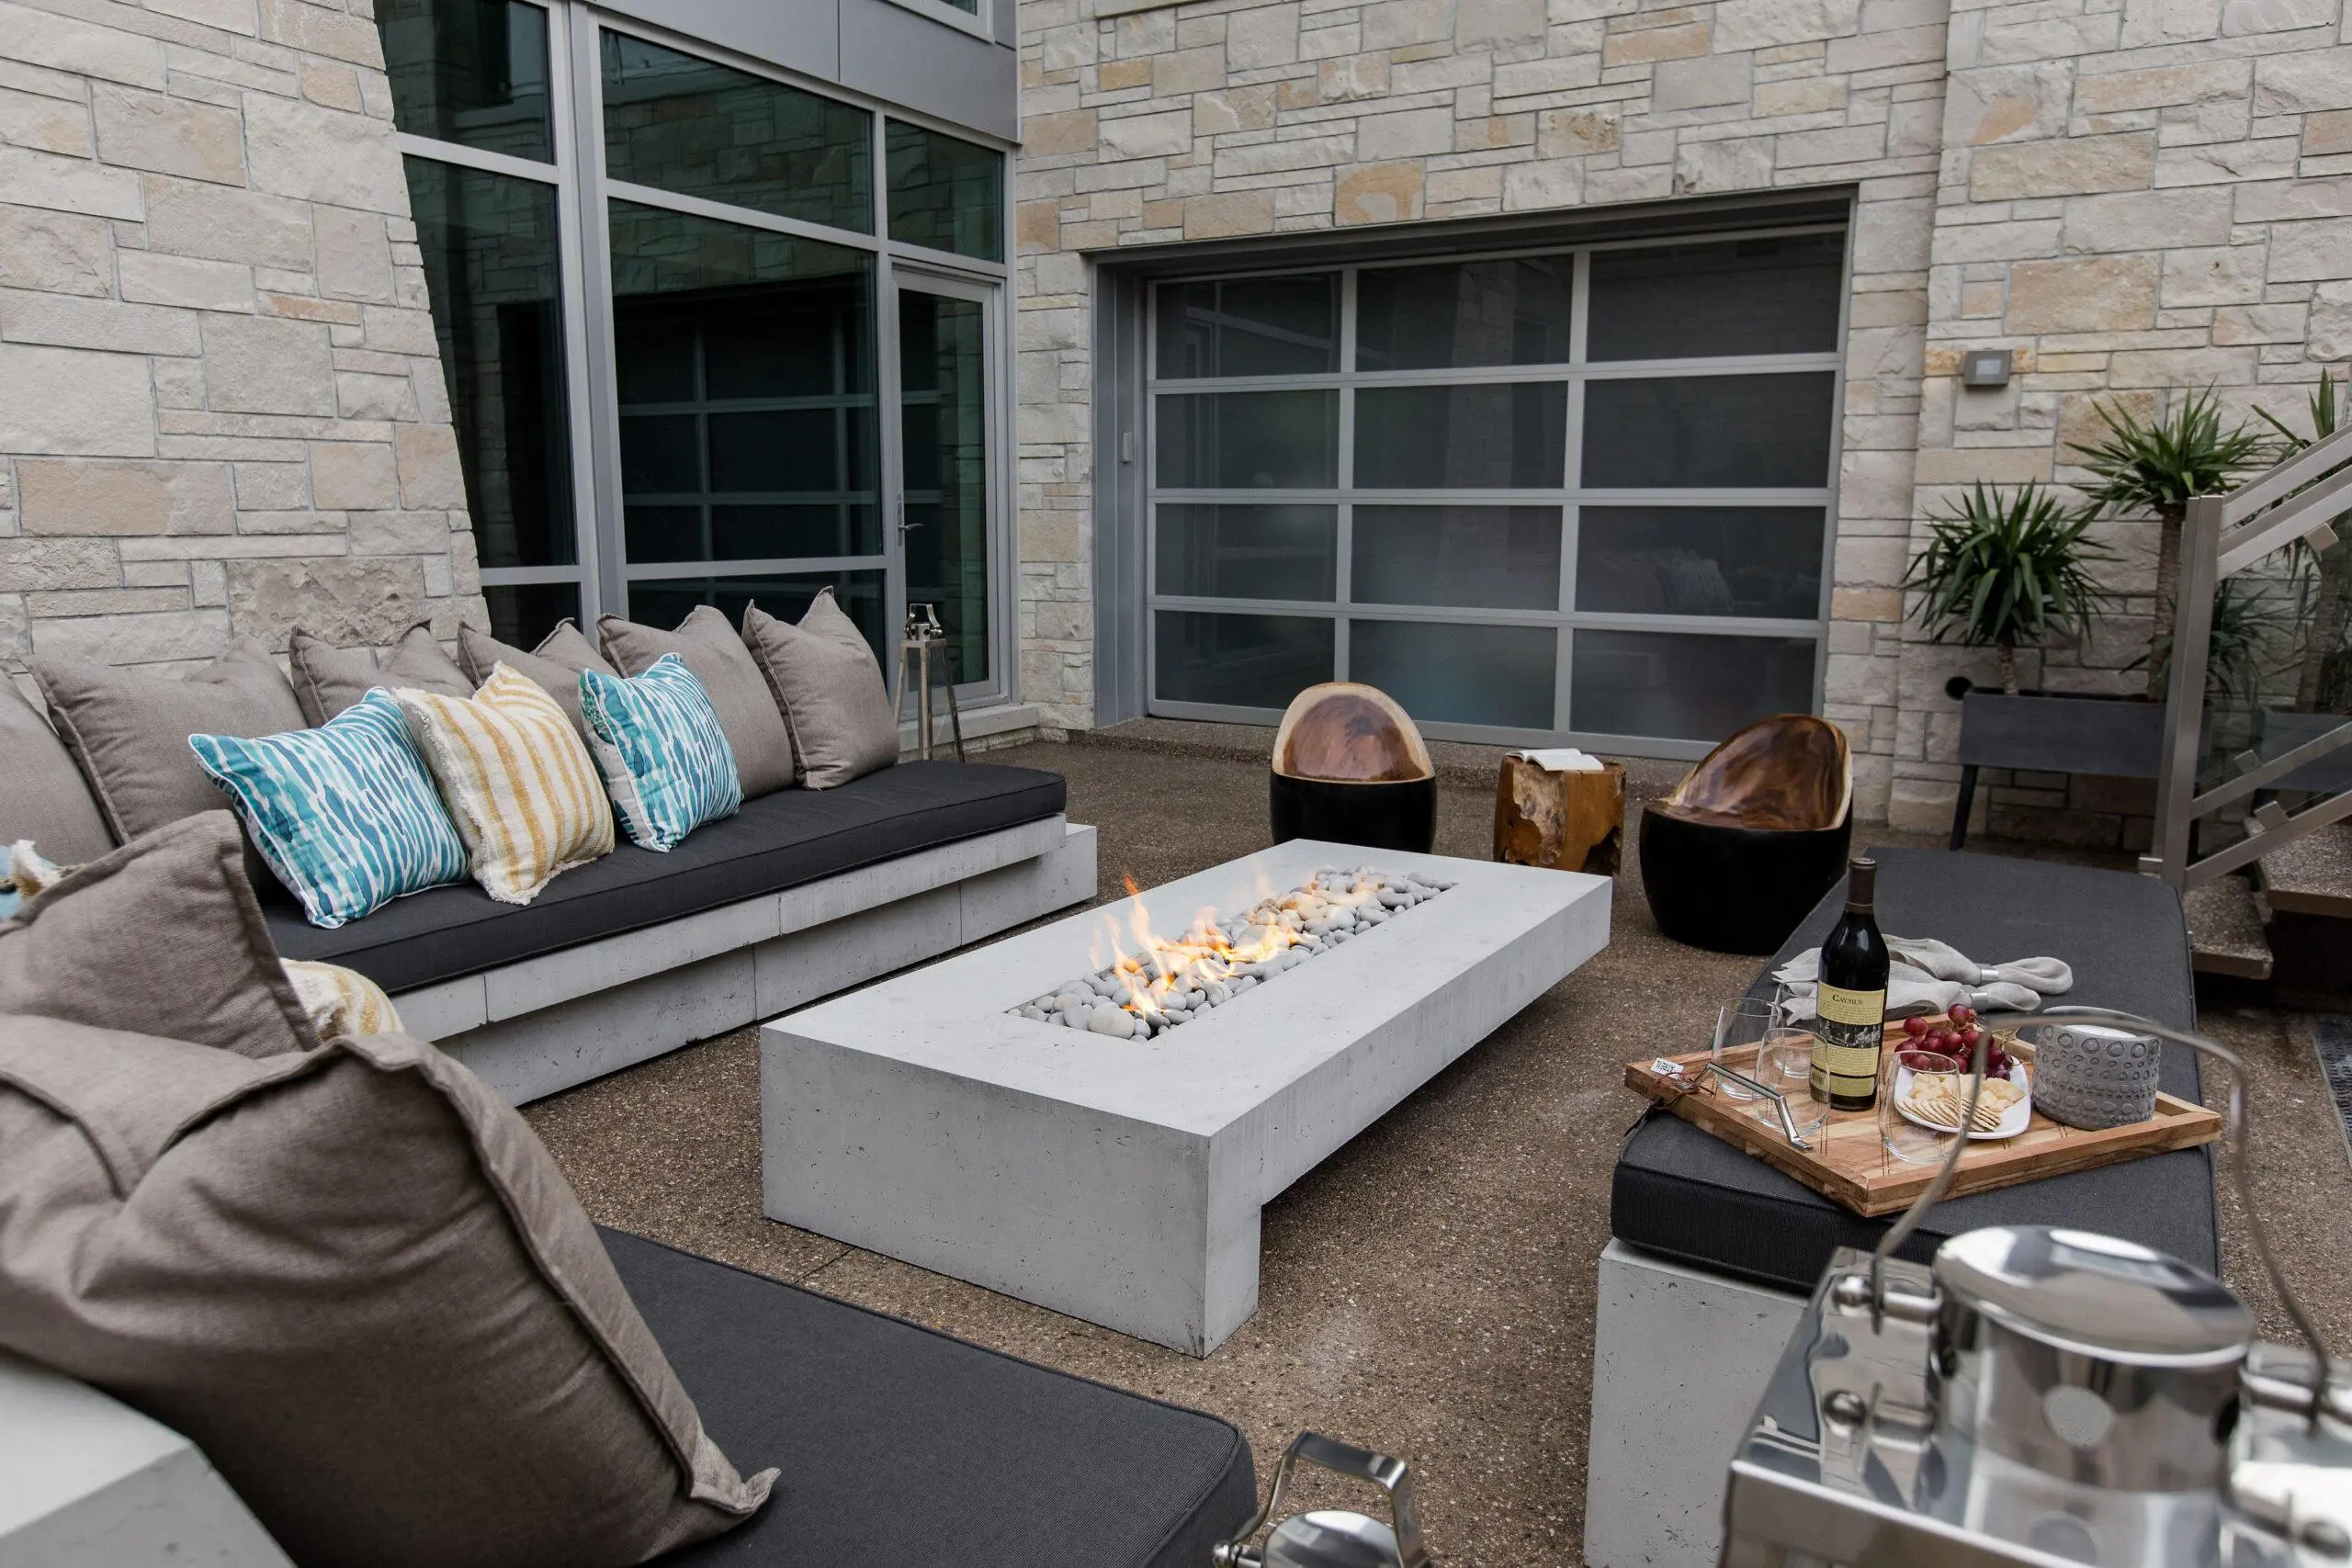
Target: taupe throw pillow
[(42, 796), (825, 678), (127, 730), (328, 679), (710, 647), (555, 665), (359, 1284), (162, 936)]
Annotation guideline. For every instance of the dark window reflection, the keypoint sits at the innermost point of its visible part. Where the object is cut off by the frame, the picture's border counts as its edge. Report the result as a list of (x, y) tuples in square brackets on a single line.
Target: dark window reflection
[(1248, 552), (1700, 560), (942, 382), (1775, 296), (1447, 673), (1704, 432), (1255, 661), (745, 364), (469, 71), (1249, 440), (701, 129), (521, 614), (1248, 326), (1685, 687), (946, 192), (489, 251), (1495, 557), (1464, 314), (1490, 437), (666, 601)]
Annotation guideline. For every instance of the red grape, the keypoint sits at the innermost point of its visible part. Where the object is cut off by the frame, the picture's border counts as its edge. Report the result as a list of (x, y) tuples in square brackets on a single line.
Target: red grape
[(1940, 1041), (1914, 1026), (1971, 1035), (1963, 1013)]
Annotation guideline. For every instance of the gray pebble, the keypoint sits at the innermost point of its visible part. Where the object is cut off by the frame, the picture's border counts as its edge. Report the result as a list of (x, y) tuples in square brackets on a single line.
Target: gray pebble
[(1035, 1013), (1293, 959), (1218, 992), (1116, 1023), (1071, 996), (1247, 982), (1374, 914)]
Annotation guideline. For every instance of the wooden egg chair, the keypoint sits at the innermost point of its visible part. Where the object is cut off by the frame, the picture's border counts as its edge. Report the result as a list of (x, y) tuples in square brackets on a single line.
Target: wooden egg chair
[(1350, 767), (1752, 837)]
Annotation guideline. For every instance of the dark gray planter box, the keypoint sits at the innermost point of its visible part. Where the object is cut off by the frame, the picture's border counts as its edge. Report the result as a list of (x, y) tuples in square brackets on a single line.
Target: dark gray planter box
[(2282, 732), (2117, 737)]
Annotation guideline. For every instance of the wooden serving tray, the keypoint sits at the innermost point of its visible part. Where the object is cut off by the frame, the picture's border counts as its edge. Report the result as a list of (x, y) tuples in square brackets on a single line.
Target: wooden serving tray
[(1849, 1165)]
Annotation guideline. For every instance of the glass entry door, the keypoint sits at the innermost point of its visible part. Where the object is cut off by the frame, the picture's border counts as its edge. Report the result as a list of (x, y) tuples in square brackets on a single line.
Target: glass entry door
[(947, 414)]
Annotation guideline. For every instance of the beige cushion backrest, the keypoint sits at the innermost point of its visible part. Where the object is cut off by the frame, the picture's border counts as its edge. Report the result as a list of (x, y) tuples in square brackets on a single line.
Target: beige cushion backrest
[(823, 676), (739, 692), (42, 796), (438, 1368), (129, 729), (555, 665), (162, 935), (328, 679)]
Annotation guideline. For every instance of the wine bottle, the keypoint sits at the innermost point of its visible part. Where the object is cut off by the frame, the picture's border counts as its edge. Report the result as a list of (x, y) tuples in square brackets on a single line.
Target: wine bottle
[(1851, 1000)]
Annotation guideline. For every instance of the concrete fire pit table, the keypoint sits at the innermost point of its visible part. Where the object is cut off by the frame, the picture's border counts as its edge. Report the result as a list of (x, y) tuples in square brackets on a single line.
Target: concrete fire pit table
[(1119, 1181)]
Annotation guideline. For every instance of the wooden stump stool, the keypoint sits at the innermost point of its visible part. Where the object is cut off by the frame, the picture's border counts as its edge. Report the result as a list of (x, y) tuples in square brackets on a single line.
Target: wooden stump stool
[(1563, 821)]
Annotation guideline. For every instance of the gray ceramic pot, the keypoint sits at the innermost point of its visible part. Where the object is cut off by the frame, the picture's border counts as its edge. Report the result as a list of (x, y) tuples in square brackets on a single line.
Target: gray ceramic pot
[(2089, 1076)]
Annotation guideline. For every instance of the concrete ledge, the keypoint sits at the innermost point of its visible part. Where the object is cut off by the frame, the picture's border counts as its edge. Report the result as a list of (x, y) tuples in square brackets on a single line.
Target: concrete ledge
[(86, 1481), (833, 934), (1681, 1357), (456, 1007)]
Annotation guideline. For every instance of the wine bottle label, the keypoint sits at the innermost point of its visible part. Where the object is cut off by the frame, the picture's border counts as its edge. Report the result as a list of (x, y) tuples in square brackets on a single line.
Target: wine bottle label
[(1848, 1036)]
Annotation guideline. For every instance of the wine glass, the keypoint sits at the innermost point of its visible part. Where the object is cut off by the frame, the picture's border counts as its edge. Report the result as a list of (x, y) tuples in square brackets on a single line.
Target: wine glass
[(1741, 1025), (1785, 1064), (1911, 1142)]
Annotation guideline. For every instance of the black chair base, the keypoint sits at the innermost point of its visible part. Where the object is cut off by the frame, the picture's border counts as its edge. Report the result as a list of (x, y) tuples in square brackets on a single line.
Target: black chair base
[(1733, 889), (1401, 815)]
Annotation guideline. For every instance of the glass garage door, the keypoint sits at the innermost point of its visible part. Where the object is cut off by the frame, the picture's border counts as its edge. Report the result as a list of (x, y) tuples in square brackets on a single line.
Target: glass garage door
[(1584, 493)]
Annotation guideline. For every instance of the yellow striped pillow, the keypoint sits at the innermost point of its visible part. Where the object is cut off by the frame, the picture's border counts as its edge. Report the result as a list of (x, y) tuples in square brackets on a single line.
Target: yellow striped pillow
[(520, 786), (340, 1002)]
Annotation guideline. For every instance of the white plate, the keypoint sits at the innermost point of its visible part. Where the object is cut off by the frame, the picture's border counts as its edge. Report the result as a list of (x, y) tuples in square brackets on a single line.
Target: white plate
[(2016, 1120)]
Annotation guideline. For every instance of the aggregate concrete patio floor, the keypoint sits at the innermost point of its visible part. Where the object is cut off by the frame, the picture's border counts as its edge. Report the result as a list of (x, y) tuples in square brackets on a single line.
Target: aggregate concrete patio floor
[(1428, 1290)]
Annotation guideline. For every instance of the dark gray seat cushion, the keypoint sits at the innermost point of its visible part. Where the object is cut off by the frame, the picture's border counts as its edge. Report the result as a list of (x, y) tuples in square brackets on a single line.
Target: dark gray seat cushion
[(779, 840), (902, 1447), (1689, 1195)]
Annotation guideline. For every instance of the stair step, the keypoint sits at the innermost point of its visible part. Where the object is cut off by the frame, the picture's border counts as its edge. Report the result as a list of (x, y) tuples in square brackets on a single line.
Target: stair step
[(2313, 876), (2226, 934)]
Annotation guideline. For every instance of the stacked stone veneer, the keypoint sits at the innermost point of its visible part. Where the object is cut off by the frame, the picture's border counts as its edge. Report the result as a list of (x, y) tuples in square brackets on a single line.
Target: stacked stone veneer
[(2139, 197), (221, 407)]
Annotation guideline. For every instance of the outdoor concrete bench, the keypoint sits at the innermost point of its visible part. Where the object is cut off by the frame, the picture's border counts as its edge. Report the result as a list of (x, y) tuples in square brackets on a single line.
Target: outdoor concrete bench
[(898, 1446), (1714, 1253), (801, 894)]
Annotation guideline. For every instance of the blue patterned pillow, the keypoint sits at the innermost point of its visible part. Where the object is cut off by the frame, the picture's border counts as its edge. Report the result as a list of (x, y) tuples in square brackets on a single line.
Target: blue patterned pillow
[(345, 814), (657, 743)]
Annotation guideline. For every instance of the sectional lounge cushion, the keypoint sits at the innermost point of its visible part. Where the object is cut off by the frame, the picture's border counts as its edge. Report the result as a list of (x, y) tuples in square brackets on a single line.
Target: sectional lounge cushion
[(129, 729), (328, 679), (339, 1000), (357, 1283), (779, 841), (520, 788), (824, 676), (714, 650), (42, 796), (663, 751), (555, 664), (87, 948), (345, 814), (903, 1445)]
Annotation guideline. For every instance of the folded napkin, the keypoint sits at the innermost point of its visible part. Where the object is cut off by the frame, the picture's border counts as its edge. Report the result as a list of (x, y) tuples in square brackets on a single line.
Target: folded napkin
[(1931, 976)]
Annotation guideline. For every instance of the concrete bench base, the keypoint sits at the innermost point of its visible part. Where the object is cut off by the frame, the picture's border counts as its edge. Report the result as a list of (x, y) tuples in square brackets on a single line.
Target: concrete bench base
[(548, 1023), (1679, 1359), (86, 1481)]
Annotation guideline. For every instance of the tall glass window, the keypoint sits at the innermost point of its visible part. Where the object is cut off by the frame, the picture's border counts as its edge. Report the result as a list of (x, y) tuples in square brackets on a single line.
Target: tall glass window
[(787, 382), (1499, 489)]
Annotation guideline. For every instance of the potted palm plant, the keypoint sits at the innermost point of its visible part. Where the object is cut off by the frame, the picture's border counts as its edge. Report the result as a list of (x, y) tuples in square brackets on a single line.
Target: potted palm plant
[(2160, 466), (2008, 571), (2011, 571)]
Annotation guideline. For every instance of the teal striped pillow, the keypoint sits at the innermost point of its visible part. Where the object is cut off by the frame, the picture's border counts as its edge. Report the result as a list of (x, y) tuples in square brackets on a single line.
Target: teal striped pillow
[(657, 743), (345, 814)]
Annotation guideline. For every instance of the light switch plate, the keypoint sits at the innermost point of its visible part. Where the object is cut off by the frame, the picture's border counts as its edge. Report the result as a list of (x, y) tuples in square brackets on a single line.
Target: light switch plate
[(1986, 366)]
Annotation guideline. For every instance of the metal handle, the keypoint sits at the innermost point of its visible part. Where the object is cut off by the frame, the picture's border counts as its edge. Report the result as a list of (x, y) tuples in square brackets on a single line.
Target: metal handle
[(2236, 1133), (1389, 1474)]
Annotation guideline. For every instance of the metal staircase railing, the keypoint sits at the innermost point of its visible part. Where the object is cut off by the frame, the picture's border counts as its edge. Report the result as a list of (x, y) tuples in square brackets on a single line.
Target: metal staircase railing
[(2223, 536)]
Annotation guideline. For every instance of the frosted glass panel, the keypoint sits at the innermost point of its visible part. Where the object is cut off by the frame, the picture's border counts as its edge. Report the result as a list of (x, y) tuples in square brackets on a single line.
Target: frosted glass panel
[(1248, 552), (1684, 686), (1491, 437), (1700, 560), (1708, 432), (1494, 558), (1458, 674), (1259, 661)]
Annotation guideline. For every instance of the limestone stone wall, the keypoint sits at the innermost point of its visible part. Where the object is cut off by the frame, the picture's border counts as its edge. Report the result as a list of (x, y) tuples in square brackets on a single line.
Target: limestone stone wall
[(221, 407), (2141, 196)]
